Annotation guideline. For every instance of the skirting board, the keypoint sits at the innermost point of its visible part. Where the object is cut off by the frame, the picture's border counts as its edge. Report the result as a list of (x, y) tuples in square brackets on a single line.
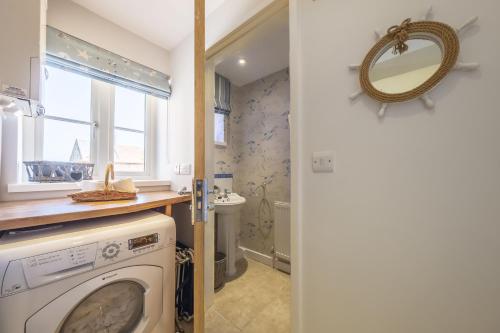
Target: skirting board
[(257, 256), (282, 266), (265, 259)]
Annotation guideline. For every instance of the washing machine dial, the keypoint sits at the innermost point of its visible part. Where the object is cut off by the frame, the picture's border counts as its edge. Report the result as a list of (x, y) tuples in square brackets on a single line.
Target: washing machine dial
[(111, 251)]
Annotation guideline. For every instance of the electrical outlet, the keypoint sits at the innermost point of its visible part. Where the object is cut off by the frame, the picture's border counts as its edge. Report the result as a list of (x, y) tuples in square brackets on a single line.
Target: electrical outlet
[(323, 161)]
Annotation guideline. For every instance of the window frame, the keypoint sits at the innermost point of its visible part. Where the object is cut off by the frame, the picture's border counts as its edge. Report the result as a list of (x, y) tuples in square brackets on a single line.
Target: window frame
[(102, 132), (149, 138)]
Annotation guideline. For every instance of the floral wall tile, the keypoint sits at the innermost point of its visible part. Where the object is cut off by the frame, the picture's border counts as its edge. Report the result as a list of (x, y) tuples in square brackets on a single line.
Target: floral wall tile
[(258, 153)]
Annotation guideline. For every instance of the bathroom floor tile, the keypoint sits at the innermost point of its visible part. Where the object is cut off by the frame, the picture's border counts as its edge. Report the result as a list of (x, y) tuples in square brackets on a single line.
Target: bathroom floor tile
[(257, 301), (273, 318), (215, 323)]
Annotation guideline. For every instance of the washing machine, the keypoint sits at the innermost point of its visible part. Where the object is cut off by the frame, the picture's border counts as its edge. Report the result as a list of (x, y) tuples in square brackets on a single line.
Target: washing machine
[(108, 275)]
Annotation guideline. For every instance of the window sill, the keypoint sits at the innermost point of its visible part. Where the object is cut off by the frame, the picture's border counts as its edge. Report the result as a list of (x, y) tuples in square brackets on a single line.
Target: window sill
[(44, 187)]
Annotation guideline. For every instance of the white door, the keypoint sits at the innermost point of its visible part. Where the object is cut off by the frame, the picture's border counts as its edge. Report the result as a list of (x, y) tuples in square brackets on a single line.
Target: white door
[(124, 300)]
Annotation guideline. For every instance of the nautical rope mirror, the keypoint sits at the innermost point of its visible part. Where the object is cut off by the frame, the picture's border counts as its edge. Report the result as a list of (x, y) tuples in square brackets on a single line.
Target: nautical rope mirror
[(410, 60)]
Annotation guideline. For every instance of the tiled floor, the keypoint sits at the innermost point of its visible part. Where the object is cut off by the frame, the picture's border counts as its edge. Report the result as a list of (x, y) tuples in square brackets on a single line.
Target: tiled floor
[(258, 301)]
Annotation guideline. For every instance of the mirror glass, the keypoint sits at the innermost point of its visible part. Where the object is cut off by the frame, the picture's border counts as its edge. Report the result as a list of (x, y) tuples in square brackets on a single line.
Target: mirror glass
[(399, 73)]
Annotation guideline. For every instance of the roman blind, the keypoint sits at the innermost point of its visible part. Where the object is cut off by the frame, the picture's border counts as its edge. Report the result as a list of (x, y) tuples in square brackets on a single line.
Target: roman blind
[(222, 95), (71, 53)]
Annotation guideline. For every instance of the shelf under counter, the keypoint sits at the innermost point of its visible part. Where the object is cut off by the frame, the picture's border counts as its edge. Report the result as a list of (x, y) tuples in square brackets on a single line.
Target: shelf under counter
[(32, 213)]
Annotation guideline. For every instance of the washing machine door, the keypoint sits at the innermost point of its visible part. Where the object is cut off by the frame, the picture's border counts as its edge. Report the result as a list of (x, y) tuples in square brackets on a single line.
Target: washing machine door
[(126, 300)]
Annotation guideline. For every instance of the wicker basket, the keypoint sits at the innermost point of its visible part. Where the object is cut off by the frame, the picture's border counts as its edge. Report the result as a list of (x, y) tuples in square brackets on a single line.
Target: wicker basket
[(108, 194), (51, 172), (220, 271)]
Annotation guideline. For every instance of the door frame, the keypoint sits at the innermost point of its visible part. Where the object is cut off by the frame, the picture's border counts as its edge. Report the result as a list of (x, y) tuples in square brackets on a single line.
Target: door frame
[(210, 57), (199, 163), (244, 28)]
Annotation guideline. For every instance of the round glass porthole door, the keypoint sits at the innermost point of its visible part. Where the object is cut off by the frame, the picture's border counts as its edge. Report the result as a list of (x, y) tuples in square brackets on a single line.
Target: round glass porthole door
[(114, 308)]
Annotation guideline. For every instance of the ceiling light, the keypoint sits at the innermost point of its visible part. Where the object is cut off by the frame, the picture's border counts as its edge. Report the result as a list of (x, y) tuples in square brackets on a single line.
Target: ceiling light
[(242, 62)]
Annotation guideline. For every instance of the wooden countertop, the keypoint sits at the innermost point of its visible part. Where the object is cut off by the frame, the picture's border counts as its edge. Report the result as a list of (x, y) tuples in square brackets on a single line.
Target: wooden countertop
[(21, 214)]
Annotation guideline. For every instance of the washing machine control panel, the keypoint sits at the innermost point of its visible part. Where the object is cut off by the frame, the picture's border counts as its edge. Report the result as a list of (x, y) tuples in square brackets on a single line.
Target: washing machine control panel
[(45, 268), (114, 250), (111, 251), (26, 273)]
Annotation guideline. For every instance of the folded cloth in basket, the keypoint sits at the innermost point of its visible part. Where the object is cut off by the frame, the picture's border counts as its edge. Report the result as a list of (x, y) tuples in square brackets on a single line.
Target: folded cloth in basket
[(120, 185)]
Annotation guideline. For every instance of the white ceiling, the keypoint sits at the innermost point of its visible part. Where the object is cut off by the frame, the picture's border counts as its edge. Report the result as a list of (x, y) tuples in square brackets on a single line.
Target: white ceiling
[(265, 49), (162, 22)]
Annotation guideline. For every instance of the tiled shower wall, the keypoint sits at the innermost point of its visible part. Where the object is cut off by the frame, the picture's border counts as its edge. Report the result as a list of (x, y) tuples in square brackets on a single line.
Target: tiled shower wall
[(258, 152)]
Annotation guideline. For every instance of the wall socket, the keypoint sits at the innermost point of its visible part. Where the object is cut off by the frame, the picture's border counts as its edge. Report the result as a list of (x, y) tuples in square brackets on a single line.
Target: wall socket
[(323, 161), (182, 169)]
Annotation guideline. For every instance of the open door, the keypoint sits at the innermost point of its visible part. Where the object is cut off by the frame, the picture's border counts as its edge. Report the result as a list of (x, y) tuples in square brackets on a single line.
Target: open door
[(200, 186)]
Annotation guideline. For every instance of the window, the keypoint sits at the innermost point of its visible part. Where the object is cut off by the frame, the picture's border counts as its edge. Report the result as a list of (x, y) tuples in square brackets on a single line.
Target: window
[(88, 120), (220, 129), (130, 119), (68, 126), (222, 109)]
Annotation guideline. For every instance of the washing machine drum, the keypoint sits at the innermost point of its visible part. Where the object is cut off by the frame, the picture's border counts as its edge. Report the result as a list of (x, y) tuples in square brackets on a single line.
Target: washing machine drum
[(122, 301)]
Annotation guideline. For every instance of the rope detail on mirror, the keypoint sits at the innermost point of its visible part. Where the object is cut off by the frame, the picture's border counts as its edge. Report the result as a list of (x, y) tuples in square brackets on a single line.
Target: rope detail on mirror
[(399, 33)]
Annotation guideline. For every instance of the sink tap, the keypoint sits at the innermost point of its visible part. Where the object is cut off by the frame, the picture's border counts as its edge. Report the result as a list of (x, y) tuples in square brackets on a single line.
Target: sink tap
[(226, 192)]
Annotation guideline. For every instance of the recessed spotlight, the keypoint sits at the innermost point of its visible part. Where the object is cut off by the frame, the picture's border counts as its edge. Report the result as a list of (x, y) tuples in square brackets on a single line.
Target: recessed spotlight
[(242, 62)]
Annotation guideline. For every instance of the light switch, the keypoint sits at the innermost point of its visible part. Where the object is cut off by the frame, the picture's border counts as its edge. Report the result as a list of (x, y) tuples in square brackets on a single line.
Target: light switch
[(185, 169), (323, 161)]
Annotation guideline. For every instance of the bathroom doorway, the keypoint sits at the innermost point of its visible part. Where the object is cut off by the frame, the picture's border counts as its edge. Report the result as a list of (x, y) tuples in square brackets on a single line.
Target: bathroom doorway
[(250, 159)]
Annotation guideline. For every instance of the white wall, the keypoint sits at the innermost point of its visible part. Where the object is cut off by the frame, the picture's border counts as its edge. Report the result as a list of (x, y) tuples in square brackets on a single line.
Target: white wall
[(404, 237), (181, 112), (78, 21), (219, 23)]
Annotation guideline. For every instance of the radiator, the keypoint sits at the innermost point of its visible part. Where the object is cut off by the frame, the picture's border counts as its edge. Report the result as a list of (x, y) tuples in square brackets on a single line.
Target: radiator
[(282, 235)]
